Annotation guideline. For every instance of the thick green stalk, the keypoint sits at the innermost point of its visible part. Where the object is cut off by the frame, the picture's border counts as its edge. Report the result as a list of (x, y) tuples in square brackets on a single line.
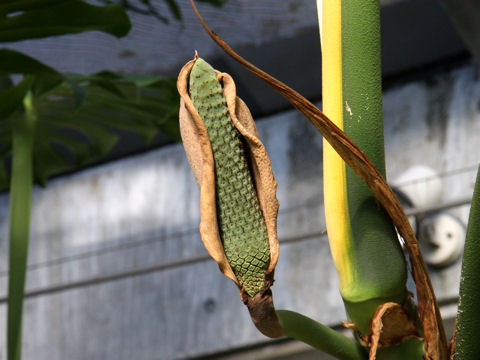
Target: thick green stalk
[(300, 327), (468, 320), (364, 244), (20, 203), (380, 266), (409, 350), (365, 247)]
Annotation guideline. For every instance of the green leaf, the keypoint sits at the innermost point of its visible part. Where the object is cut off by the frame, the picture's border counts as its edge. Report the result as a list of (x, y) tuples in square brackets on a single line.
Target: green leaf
[(104, 80), (12, 98), (79, 120), (78, 91), (300, 327), (20, 203), (5, 82), (64, 17), (100, 139), (14, 62), (3, 174), (174, 9), (10, 6), (48, 161), (216, 3), (42, 84), (468, 318)]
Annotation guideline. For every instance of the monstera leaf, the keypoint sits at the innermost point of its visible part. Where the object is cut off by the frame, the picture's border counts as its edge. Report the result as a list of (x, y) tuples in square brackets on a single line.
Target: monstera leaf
[(32, 19), (78, 119), (52, 122)]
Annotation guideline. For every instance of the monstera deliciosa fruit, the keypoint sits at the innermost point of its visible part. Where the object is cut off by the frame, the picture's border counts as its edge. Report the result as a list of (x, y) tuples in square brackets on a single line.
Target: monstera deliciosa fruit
[(238, 203)]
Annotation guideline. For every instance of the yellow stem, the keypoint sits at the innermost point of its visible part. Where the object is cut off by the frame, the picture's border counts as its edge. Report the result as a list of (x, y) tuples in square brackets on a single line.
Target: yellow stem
[(335, 195)]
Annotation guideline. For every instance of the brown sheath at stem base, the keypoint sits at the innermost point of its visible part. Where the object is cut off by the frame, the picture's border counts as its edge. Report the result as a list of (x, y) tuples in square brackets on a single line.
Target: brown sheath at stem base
[(262, 312)]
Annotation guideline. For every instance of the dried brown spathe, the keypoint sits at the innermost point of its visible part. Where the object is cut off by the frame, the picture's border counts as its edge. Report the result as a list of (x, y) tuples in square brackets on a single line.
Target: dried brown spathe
[(199, 153), (391, 325)]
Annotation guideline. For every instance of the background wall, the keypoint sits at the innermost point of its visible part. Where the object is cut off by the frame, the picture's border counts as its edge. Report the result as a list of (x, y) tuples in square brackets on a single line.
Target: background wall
[(117, 269)]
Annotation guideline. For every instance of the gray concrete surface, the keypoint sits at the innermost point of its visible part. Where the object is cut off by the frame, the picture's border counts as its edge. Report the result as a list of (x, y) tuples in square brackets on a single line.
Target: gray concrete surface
[(143, 211)]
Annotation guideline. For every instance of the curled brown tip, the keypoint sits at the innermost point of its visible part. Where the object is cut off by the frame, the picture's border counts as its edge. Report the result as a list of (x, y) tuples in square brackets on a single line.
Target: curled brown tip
[(262, 312)]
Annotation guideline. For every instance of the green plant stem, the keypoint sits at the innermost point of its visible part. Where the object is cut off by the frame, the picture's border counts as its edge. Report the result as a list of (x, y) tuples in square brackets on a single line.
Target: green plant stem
[(300, 327), (468, 320), (20, 203), (380, 271)]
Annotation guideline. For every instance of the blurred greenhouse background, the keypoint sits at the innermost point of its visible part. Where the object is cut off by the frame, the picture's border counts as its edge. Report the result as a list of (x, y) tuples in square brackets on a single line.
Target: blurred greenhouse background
[(116, 268)]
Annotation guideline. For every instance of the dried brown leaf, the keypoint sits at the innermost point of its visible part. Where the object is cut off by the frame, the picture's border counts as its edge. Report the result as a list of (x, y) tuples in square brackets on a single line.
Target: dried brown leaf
[(390, 326)]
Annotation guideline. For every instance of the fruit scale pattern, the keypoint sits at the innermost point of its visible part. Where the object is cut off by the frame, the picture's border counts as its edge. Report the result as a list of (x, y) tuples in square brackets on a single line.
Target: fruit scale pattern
[(242, 226)]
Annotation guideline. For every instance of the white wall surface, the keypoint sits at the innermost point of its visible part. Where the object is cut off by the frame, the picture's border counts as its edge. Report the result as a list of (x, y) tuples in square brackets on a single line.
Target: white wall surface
[(143, 211)]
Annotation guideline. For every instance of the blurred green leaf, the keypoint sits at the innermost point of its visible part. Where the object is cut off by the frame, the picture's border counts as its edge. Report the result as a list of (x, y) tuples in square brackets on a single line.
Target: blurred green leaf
[(80, 118), (174, 9), (5, 82), (3, 175), (10, 6), (217, 3), (11, 99), (49, 18), (14, 62), (43, 84)]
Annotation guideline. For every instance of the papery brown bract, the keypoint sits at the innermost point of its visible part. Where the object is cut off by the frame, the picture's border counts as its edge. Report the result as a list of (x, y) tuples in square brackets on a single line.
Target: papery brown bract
[(199, 152)]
